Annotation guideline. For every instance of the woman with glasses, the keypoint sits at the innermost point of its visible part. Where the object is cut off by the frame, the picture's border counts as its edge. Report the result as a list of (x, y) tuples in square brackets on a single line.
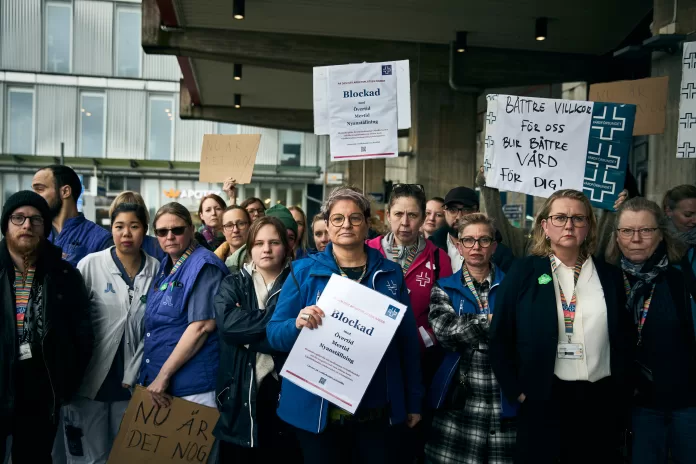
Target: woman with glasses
[(209, 234), (181, 344), (326, 432), (471, 424), (560, 339), (255, 207), (659, 298), (248, 382), (235, 226), (118, 279)]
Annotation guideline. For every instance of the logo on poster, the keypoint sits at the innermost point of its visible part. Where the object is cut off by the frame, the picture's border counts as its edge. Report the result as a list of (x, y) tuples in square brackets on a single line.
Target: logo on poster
[(392, 312), (386, 70)]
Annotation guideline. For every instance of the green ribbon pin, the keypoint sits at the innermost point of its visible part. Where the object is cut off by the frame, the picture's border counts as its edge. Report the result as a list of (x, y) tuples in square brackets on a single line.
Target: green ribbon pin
[(163, 287), (143, 299), (544, 279)]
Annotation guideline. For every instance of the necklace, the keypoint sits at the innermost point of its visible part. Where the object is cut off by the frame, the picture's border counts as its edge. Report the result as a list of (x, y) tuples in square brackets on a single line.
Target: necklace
[(343, 273)]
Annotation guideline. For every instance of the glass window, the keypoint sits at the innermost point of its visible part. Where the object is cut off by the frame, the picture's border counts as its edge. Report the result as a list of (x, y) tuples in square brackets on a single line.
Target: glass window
[(92, 125), (20, 134), (128, 42), (115, 184), (161, 121), (266, 197), (297, 196), (291, 144), (58, 36), (228, 129), (133, 184), (282, 196)]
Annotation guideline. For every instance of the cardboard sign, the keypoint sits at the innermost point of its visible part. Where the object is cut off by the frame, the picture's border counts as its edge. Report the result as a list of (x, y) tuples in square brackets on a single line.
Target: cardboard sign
[(226, 156), (539, 145), (686, 137), (181, 433), (649, 95)]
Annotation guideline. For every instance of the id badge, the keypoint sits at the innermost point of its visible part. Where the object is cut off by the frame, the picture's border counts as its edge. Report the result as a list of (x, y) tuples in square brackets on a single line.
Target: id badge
[(24, 351), (570, 351)]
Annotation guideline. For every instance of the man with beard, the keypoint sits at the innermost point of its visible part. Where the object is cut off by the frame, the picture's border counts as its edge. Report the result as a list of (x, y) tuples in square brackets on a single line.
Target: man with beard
[(72, 232), (459, 202), (46, 336)]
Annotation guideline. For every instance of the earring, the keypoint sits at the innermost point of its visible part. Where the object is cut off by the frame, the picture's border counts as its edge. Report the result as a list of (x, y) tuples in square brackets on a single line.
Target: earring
[(547, 237)]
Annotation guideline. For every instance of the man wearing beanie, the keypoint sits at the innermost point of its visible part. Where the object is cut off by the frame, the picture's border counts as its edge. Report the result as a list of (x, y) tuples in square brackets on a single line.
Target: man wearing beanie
[(234, 263), (72, 232), (46, 340)]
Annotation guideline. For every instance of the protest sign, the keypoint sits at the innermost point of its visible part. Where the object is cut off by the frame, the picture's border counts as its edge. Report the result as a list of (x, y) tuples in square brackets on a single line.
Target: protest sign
[(538, 145), (337, 360), (649, 95), (224, 156), (686, 137), (181, 433)]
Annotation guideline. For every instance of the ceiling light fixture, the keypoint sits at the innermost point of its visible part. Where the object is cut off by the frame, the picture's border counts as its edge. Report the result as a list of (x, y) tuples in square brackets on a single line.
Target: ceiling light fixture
[(237, 73), (460, 42), (541, 29), (237, 100), (238, 9)]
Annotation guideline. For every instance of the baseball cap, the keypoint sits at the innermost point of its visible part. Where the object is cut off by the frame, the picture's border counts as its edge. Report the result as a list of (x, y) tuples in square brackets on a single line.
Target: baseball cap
[(463, 195)]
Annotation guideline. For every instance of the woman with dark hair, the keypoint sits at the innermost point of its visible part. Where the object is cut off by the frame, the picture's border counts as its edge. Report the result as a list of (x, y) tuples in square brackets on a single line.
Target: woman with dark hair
[(326, 432), (210, 210), (659, 298), (150, 243), (235, 226), (117, 280), (248, 384), (559, 340), (181, 353), (255, 207), (302, 249)]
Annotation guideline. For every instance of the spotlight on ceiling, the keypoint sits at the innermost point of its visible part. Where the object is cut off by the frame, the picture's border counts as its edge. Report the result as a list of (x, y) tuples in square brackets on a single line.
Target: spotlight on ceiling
[(460, 43), (238, 9), (237, 72), (541, 29), (237, 100)]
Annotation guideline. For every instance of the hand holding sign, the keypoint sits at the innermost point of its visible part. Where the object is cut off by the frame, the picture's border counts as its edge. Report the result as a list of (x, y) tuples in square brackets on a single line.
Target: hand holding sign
[(228, 156)]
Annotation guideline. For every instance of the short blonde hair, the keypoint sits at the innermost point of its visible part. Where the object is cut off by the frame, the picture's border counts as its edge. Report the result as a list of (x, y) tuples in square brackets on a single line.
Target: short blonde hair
[(541, 247), (476, 218), (129, 196)]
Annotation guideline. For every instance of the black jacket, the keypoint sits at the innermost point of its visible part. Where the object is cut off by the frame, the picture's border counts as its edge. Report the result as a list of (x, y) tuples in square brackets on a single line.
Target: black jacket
[(524, 331), (503, 257), (240, 323), (66, 339)]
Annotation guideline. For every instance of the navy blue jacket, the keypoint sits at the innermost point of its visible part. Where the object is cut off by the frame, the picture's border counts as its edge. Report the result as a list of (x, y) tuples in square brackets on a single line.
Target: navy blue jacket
[(397, 379), (80, 237)]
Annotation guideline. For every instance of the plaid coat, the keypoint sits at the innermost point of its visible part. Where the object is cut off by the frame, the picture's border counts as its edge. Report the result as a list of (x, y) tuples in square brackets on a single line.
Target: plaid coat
[(474, 433)]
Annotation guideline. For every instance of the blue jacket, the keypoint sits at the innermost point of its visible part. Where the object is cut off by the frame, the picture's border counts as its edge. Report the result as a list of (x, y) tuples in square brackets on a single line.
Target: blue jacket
[(397, 380), (80, 237), (152, 247)]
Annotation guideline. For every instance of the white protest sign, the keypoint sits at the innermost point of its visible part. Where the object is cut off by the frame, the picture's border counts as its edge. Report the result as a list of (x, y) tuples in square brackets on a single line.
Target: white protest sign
[(686, 135), (536, 145), (337, 360)]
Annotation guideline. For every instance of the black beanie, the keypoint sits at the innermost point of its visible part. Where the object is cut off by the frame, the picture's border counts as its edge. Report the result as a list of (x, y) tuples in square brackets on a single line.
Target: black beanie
[(26, 198)]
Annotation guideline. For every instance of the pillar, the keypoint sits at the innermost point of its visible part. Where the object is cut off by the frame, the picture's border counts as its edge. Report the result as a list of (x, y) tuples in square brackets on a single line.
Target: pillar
[(374, 175), (665, 170), (442, 138)]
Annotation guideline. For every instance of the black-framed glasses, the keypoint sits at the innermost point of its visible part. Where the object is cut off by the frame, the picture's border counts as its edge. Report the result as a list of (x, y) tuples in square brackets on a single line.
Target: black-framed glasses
[(240, 225), (469, 242), (645, 232), (20, 219), (560, 220), (174, 230), (355, 219), (408, 188), (461, 209)]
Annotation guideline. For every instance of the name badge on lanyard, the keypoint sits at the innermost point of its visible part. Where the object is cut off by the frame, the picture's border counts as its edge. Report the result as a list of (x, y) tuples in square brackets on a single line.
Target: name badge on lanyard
[(24, 351), (569, 350)]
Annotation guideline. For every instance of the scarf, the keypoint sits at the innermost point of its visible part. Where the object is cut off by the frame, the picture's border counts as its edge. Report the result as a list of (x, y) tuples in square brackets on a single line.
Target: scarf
[(688, 237), (644, 275), (402, 253), (210, 235)]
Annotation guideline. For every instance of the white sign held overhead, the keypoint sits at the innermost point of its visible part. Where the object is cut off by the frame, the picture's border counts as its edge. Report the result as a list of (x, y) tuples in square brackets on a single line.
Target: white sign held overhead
[(686, 138)]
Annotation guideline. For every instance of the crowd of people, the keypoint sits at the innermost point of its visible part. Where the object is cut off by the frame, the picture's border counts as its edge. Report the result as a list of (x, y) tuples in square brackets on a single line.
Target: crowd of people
[(574, 343)]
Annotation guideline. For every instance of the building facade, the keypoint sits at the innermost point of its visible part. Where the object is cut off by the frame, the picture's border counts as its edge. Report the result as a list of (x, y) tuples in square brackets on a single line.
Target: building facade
[(75, 82)]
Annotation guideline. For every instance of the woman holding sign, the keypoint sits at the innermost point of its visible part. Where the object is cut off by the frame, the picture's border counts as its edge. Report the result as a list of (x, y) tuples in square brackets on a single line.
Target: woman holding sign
[(326, 432), (659, 296), (560, 340)]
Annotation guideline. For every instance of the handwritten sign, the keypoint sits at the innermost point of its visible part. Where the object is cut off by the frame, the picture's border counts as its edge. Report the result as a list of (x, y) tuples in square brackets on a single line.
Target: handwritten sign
[(538, 145), (181, 433), (649, 95), (686, 137), (226, 156)]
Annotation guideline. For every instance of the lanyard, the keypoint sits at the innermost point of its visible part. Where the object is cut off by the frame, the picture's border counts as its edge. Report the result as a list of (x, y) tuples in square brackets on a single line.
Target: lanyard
[(343, 274), (183, 258), (412, 252), (644, 309), (483, 306), (568, 309), (22, 292)]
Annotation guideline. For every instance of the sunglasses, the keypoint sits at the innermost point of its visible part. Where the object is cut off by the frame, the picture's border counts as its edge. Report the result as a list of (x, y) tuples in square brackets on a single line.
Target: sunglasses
[(408, 188), (174, 230)]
